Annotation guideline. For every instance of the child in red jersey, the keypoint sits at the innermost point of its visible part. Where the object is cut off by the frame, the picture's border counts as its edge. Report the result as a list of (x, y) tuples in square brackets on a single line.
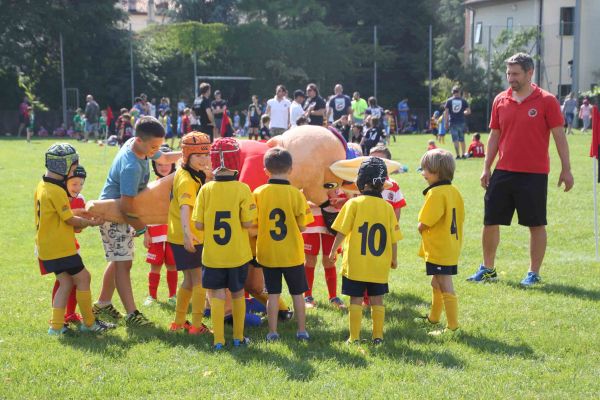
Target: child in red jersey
[(476, 148)]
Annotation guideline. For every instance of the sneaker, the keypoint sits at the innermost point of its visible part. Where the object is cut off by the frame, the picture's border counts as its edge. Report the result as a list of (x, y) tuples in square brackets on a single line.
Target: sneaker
[(285, 315), (107, 311), (310, 302), (137, 319), (484, 274), (198, 331), (336, 302), (172, 301), (444, 331), (74, 318), (244, 342), (352, 342), (377, 341), (302, 336), (175, 327), (272, 337), (58, 332), (531, 279), (218, 346), (97, 327), (149, 301), (424, 320)]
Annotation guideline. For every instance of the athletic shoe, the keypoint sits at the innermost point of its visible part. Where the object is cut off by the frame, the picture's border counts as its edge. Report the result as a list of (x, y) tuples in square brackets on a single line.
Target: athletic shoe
[(336, 302), (310, 302), (285, 315), (244, 342), (74, 318), (302, 336), (351, 342), (198, 331), (137, 319), (149, 301), (97, 327), (107, 311), (218, 346), (484, 274), (377, 341), (172, 301), (58, 332), (272, 337), (424, 320), (175, 327), (531, 279), (444, 331)]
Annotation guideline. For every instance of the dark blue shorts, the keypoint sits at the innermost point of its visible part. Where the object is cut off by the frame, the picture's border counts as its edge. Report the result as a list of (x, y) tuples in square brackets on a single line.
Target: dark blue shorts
[(354, 288), (225, 278), (185, 260), (72, 265), (435, 269), (295, 278)]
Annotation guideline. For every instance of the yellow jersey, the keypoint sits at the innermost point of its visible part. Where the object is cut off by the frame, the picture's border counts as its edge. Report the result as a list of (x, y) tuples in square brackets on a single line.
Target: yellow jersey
[(282, 209), (54, 238), (370, 227), (222, 205), (444, 214), (185, 190)]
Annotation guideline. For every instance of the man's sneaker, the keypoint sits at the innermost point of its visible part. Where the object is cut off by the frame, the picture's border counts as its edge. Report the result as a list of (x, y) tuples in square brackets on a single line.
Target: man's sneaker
[(425, 321), (73, 319), (107, 311), (198, 331), (309, 302), (336, 302), (137, 319), (377, 341), (244, 342), (272, 337), (97, 327), (172, 301), (58, 332), (285, 315), (302, 336), (149, 301), (484, 274), (175, 327), (531, 279)]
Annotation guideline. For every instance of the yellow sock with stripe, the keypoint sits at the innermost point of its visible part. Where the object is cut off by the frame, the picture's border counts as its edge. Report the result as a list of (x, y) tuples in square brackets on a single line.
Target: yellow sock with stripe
[(217, 315), (377, 315), (183, 303), (437, 306), (355, 315), (84, 299), (198, 300), (239, 316), (451, 305), (58, 318)]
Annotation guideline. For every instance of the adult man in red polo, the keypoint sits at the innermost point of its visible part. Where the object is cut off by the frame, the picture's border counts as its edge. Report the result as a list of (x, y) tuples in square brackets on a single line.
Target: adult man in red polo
[(522, 118)]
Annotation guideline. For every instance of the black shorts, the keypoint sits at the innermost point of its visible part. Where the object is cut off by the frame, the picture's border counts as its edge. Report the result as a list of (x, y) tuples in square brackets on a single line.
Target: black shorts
[(254, 124), (185, 260), (510, 191), (225, 278), (436, 269), (295, 278), (208, 129), (72, 265), (354, 288)]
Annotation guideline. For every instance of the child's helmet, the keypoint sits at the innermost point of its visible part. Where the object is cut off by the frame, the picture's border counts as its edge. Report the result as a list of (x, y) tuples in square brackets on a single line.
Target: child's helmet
[(194, 143), (225, 153), (79, 172), (373, 171), (164, 148), (60, 157)]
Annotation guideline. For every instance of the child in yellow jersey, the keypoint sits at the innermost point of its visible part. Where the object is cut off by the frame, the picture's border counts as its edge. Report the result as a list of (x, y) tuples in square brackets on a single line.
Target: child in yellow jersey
[(369, 229), (282, 216), (183, 237), (441, 227), (55, 240), (224, 210)]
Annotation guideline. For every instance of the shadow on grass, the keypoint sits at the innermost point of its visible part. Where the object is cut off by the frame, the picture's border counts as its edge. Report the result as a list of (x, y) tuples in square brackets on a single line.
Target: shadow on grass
[(556, 288)]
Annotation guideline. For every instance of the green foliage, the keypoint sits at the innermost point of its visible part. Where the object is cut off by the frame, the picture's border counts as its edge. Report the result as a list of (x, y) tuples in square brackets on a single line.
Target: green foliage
[(449, 41), (441, 88), (206, 11), (24, 83)]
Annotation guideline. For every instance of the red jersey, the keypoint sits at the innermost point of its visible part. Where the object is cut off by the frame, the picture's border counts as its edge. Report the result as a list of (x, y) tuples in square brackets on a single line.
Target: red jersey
[(476, 149), (186, 125), (393, 195), (525, 130), (158, 233)]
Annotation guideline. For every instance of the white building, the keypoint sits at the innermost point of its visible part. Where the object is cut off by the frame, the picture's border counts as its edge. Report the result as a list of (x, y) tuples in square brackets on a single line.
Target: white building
[(143, 13), (560, 63)]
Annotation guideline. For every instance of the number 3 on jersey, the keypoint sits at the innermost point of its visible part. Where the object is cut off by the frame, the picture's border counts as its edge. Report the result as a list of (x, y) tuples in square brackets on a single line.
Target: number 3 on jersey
[(220, 224), (280, 232), (368, 237)]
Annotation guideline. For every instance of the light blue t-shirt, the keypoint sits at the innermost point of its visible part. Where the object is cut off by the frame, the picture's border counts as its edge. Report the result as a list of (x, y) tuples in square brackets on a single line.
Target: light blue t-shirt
[(128, 174)]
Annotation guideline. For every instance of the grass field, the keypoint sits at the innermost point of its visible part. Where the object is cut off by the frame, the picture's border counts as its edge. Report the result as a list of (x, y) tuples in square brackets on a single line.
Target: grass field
[(536, 343)]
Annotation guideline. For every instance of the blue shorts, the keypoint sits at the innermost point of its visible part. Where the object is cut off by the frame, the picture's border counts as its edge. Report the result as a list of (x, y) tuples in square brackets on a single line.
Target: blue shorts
[(458, 132), (185, 260), (225, 278), (354, 288), (295, 278), (569, 117)]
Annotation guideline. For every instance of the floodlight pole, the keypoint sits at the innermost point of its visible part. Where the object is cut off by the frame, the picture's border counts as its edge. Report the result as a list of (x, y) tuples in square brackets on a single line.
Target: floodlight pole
[(62, 83), (375, 61), (430, 65), (195, 75), (131, 63)]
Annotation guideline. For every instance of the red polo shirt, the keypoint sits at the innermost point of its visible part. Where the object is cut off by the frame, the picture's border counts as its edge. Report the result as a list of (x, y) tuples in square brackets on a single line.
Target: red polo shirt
[(525, 130)]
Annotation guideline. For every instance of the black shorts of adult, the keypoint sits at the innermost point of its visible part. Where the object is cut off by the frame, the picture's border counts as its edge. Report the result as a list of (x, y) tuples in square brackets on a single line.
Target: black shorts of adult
[(225, 278), (184, 260), (254, 124), (208, 129), (436, 269), (509, 191), (195, 127), (295, 278), (354, 288), (72, 265)]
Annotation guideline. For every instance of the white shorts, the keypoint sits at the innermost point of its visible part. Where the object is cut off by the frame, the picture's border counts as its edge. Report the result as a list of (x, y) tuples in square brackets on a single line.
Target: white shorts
[(117, 240)]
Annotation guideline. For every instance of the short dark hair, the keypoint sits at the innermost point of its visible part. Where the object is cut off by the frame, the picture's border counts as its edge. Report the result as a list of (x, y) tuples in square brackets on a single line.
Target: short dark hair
[(204, 87), (374, 121), (137, 99), (149, 127), (372, 101), (298, 93), (382, 149), (522, 59), (477, 136), (278, 160)]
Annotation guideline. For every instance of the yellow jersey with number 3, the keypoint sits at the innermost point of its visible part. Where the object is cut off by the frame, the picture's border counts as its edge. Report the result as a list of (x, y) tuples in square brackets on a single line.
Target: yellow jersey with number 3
[(370, 227), (222, 205), (444, 214), (185, 190)]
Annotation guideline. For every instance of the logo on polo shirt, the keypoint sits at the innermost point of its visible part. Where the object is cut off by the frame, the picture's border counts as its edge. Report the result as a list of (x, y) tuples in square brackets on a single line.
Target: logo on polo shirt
[(532, 112)]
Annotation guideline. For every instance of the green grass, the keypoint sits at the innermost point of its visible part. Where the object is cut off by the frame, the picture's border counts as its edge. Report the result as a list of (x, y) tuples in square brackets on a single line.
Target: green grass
[(537, 343)]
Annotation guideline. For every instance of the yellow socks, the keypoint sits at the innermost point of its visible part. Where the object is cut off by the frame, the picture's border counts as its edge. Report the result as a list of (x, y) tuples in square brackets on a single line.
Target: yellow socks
[(451, 305), (198, 298), (377, 315), (355, 321), (239, 315), (183, 302), (437, 305), (58, 318), (217, 315), (84, 299)]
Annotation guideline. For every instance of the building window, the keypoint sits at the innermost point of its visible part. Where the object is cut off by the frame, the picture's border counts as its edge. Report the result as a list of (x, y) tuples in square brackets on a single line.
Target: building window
[(478, 29), (567, 17), (509, 23)]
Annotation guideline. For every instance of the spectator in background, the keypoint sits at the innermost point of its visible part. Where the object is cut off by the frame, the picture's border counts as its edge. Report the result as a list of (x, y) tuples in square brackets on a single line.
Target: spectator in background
[(585, 113), (152, 107), (254, 113), (218, 106), (92, 115), (375, 111), (314, 105), (23, 115), (164, 105), (278, 109), (455, 111), (296, 110), (339, 104), (359, 106), (403, 110), (203, 112), (180, 106), (569, 107)]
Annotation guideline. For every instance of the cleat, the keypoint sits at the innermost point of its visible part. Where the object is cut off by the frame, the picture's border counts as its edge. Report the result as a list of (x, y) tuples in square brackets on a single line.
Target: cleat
[(97, 327), (483, 274), (175, 327), (309, 302), (302, 336), (59, 332), (273, 337), (531, 279), (198, 331), (149, 301), (377, 341), (336, 302), (172, 301), (444, 332), (424, 320), (244, 342), (137, 319), (107, 311), (218, 346)]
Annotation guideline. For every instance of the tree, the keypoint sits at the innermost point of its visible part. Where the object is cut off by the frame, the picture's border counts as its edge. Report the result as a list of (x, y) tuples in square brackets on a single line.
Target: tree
[(206, 11), (450, 40)]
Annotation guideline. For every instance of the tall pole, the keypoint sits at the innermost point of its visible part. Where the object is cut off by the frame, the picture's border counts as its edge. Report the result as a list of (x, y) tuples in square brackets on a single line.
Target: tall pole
[(195, 75), (375, 61), (489, 76), (430, 65), (576, 50), (560, 59), (131, 63), (62, 83)]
